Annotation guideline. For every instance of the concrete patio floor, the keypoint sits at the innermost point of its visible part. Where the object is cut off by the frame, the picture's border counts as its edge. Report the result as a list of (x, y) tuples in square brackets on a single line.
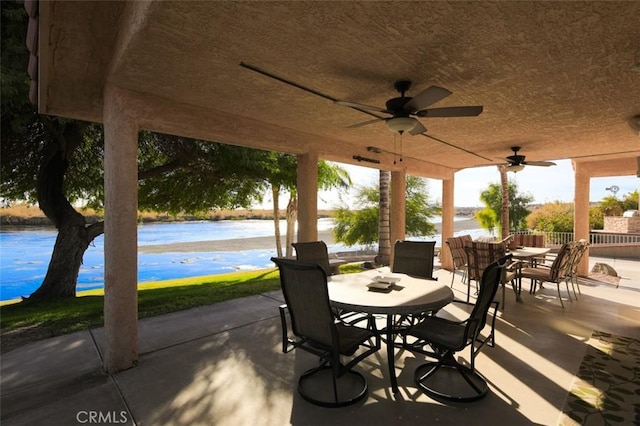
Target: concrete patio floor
[(222, 365)]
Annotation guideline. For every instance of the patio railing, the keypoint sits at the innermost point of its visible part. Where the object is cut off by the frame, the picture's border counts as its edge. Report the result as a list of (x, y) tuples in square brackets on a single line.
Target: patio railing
[(554, 239)]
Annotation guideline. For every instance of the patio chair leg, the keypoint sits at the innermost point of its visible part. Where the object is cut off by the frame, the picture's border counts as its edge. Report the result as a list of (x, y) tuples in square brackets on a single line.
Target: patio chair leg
[(560, 296), (573, 287), (577, 284)]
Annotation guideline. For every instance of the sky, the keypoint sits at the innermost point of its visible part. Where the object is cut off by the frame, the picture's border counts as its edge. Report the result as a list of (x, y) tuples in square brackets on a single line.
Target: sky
[(545, 184)]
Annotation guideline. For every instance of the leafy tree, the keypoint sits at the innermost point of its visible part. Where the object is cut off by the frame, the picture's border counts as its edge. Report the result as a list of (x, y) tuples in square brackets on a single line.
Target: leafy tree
[(559, 216), (489, 217), (282, 175), (552, 217), (361, 225), (58, 162), (630, 201), (596, 218), (611, 206)]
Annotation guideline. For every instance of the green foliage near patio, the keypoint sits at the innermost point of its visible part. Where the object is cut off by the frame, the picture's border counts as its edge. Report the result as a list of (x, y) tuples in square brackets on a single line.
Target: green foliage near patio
[(359, 224), (552, 217), (489, 216), (64, 315), (558, 216)]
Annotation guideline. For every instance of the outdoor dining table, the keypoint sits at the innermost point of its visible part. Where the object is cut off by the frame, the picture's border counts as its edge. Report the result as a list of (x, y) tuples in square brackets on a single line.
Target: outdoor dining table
[(409, 295), (530, 255)]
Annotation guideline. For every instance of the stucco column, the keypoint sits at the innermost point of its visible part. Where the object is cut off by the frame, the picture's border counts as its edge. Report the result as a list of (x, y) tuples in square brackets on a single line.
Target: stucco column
[(120, 233), (308, 197), (448, 213), (398, 217), (581, 211)]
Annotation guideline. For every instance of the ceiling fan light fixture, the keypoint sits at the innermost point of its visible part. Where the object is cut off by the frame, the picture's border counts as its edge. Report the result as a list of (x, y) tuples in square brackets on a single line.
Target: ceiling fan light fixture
[(401, 124), (515, 168)]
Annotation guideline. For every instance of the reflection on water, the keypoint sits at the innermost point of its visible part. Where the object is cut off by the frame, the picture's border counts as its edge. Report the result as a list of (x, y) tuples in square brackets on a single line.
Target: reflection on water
[(25, 253)]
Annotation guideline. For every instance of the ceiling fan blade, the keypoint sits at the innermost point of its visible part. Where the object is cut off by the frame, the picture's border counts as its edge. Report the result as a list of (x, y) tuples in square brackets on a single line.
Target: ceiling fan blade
[(364, 123), (463, 111), (428, 96), (539, 163), (418, 129), (361, 106)]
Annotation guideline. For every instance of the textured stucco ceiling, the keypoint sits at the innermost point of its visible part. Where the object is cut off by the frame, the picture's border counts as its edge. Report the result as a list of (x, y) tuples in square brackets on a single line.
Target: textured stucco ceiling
[(560, 79)]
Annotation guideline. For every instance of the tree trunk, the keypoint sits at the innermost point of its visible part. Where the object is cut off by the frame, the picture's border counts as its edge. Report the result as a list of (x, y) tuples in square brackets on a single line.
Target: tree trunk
[(504, 216), (74, 236), (292, 217), (275, 193), (384, 232)]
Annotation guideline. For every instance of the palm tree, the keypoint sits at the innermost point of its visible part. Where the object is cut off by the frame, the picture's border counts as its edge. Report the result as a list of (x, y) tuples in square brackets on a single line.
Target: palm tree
[(491, 215), (504, 183), (384, 233), (362, 225)]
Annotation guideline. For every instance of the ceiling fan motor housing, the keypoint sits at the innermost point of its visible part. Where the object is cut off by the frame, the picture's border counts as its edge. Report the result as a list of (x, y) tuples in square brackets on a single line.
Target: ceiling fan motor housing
[(516, 159), (396, 106)]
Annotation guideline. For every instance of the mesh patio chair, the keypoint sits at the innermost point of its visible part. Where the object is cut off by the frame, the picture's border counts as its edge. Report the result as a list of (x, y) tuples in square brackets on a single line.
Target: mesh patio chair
[(555, 273), (414, 258), (446, 378), (458, 255), (316, 330), (314, 252)]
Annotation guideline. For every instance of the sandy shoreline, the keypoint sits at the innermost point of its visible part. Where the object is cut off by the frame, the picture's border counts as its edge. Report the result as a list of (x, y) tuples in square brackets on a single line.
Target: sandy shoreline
[(259, 243)]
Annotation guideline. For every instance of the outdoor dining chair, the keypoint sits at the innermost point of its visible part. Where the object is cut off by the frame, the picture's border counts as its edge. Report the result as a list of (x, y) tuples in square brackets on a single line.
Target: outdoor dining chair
[(555, 273), (414, 258), (480, 255), (316, 330), (578, 251), (446, 378), (529, 240), (458, 255), (314, 252)]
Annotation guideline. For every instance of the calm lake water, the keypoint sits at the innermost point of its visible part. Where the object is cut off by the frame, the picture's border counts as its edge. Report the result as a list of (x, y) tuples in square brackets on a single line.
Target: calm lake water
[(25, 253)]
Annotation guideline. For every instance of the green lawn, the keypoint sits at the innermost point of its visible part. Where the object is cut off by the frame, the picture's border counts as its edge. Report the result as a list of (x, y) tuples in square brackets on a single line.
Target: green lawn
[(64, 316)]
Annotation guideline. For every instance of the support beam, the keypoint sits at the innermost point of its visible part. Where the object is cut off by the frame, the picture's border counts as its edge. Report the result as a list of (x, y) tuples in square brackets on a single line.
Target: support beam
[(398, 225), (448, 213), (120, 233), (581, 211), (308, 197)]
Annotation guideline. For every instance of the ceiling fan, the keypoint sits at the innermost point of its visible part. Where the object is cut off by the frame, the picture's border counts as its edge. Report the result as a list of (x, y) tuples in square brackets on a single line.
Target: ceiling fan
[(517, 162), (404, 109)]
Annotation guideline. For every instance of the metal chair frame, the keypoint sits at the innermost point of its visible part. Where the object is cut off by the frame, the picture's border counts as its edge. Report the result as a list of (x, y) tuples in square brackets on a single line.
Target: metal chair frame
[(316, 330), (446, 338)]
